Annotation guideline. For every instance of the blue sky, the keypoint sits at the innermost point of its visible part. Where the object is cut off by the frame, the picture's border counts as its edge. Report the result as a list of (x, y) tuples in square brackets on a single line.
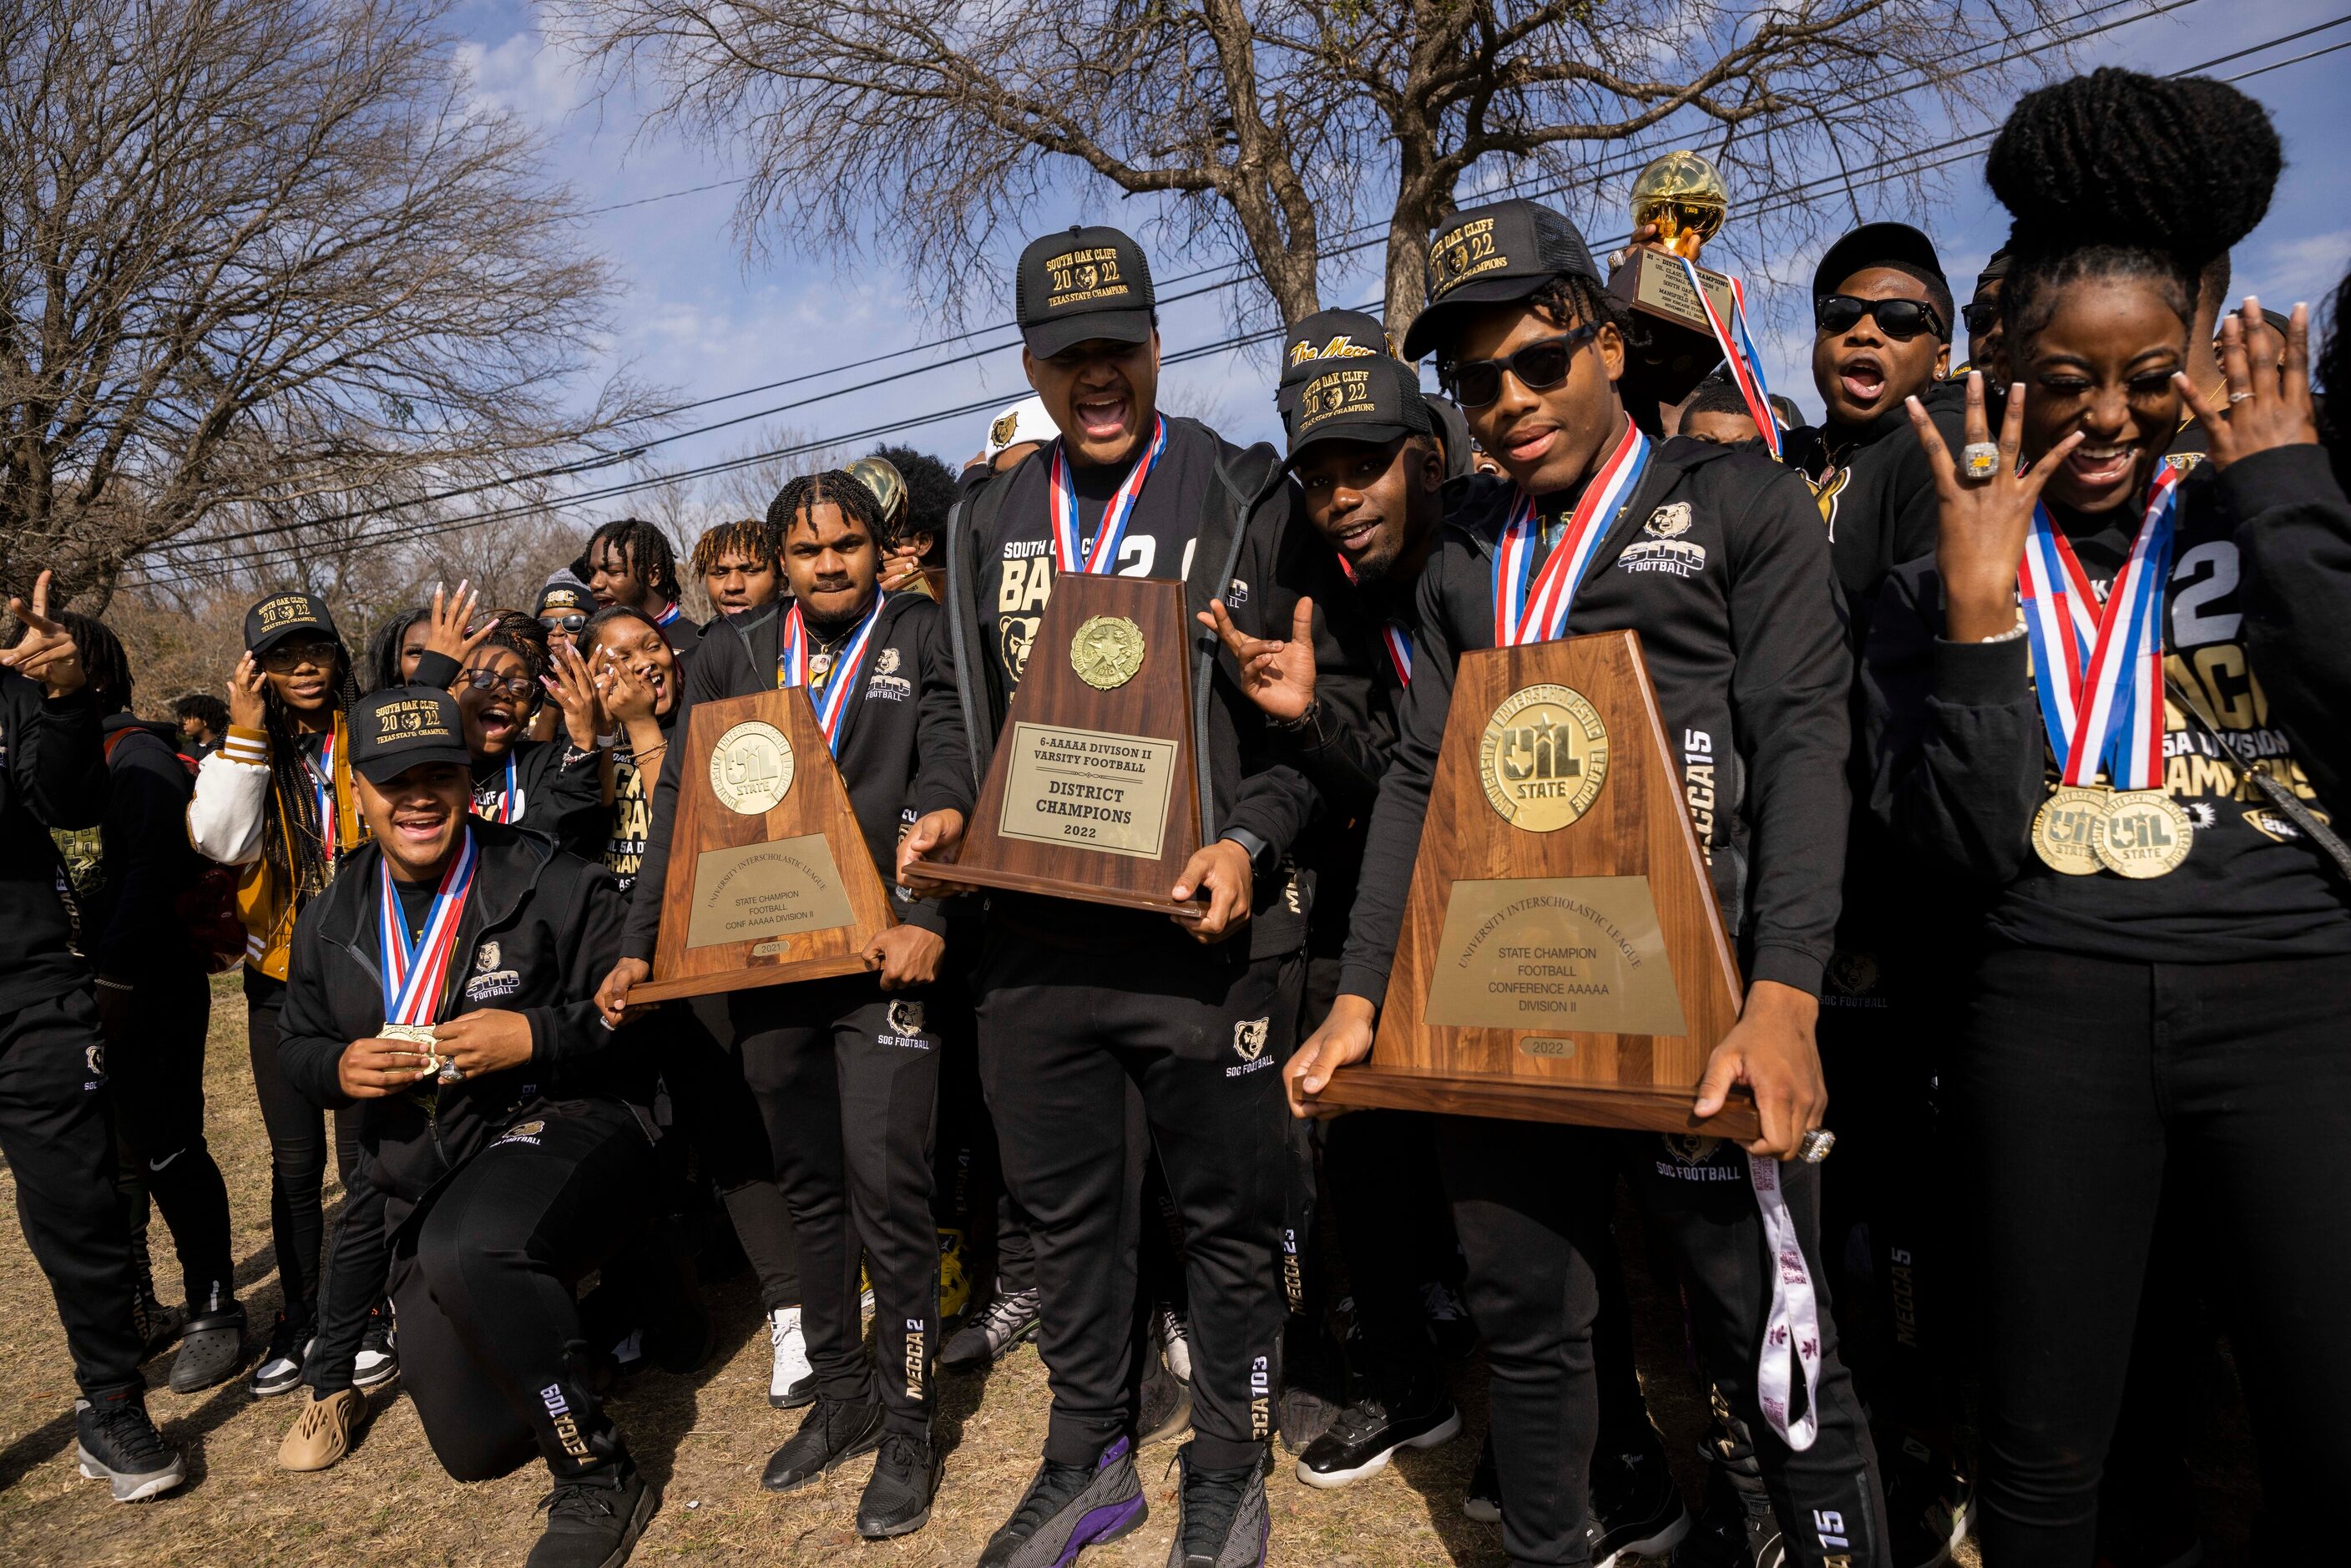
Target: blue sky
[(705, 321)]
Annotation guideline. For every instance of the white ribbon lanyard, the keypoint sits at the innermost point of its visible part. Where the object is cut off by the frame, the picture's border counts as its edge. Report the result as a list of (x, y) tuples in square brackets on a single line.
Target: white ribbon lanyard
[(1794, 1325)]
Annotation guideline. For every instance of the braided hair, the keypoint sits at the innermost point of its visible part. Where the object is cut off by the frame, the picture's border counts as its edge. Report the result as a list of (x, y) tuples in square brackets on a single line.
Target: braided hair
[(748, 537), (384, 649), (522, 635), (646, 550), (2120, 174), (834, 486), (302, 864), (104, 664)]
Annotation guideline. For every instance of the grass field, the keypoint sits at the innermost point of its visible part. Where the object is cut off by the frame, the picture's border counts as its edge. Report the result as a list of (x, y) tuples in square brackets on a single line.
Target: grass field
[(704, 1437)]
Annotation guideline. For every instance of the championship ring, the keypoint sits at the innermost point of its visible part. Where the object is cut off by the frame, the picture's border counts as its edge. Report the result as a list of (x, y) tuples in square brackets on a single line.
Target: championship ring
[(2145, 835), (2067, 828), (1979, 459), (751, 769), (1107, 652), (1543, 758)]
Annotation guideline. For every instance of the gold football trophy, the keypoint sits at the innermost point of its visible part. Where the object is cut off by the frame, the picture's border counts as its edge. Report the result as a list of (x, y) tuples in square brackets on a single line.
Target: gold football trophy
[(1683, 194)]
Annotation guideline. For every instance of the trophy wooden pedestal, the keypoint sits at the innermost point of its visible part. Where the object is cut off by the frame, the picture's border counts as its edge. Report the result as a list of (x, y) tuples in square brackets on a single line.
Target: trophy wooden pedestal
[(1562, 957), (769, 880), (1093, 793), (1679, 348)]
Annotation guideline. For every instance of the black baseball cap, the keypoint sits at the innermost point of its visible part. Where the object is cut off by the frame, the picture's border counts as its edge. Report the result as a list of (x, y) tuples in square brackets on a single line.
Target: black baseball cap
[(281, 615), (1492, 255), (557, 597), (1370, 400), (1320, 343), (1897, 246), (1081, 284), (1995, 269), (401, 727)]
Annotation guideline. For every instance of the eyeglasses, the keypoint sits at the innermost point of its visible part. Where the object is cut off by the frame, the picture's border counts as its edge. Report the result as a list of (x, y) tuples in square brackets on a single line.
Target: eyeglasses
[(570, 623), (289, 656), (1980, 317), (1539, 367), (515, 686), (1901, 318)]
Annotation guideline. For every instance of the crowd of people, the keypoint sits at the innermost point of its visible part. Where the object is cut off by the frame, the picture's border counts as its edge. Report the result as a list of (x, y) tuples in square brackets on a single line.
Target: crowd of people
[(1966, 679)]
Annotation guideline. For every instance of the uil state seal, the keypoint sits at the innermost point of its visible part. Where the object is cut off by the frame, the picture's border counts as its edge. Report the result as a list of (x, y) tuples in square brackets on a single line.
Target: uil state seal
[(751, 769), (1106, 652), (1543, 758)]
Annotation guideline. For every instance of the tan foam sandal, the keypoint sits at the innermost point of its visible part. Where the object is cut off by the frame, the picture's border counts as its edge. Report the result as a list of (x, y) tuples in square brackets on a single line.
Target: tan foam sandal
[(322, 1433)]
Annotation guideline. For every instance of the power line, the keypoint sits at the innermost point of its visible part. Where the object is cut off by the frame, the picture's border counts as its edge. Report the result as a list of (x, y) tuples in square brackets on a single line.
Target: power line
[(1957, 148)]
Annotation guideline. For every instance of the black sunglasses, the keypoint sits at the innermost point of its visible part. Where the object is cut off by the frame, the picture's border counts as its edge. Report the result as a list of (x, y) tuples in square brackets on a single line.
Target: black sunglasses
[(1539, 367), (1901, 318), (514, 687), (1980, 317), (563, 622)]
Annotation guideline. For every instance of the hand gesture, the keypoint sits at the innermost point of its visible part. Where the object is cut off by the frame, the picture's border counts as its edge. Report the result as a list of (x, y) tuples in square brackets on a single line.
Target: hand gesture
[(248, 708), (1276, 677), (445, 624), (574, 690), (2269, 401), (905, 956), (1980, 539), (1222, 872), (1771, 1050), (627, 695), (1344, 1038), (46, 653)]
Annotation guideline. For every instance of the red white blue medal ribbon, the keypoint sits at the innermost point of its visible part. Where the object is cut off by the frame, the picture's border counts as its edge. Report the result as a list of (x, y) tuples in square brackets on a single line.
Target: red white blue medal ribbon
[(668, 615), (792, 667), (1793, 1329), (1531, 607), (508, 806), (1738, 349), (1399, 649), (1112, 532), (322, 793), (414, 971), (2099, 668)]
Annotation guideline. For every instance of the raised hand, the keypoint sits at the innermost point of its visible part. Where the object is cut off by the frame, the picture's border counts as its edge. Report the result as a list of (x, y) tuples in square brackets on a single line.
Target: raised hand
[(1278, 677), (1979, 535), (445, 625), (627, 695), (568, 680), (46, 653), (2269, 401)]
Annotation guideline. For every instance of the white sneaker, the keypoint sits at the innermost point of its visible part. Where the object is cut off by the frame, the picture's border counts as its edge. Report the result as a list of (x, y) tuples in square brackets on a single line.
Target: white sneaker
[(1175, 1334), (792, 1383)]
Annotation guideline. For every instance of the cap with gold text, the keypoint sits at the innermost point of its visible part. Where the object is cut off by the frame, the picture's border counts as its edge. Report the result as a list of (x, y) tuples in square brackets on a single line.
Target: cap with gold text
[(1080, 284), (401, 727)]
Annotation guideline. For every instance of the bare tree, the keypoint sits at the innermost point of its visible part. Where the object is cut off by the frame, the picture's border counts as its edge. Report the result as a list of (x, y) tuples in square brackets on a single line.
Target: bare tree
[(1271, 126), (254, 254)]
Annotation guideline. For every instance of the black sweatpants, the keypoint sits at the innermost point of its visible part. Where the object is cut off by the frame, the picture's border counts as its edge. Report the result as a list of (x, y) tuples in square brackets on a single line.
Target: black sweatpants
[(2082, 1082), (1395, 1233), (157, 1069), (59, 1142), (1530, 1201), (847, 1075), (298, 1152), (702, 1066), (490, 1342), (358, 1261), (1086, 1057)]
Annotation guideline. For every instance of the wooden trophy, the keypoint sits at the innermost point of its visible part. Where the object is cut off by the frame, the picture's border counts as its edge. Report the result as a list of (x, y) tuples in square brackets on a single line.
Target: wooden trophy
[(1093, 792), (1562, 957), (769, 879), (1676, 347)]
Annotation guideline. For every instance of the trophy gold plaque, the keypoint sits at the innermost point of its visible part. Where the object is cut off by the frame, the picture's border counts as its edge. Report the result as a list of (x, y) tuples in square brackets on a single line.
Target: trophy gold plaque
[(1093, 793), (1683, 196), (1562, 957), (769, 879)]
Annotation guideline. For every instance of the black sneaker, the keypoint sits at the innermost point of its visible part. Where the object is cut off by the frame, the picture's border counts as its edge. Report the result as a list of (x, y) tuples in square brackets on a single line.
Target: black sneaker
[(593, 1521), (1163, 1404), (120, 1446), (1636, 1509), (280, 1369), (1730, 1531), (897, 1498), (1220, 1516), (1069, 1508), (1010, 1319), (1313, 1382), (1368, 1431), (1926, 1508), (833, 1432), (212, 1350), (378, 1360), (1483, 1501)]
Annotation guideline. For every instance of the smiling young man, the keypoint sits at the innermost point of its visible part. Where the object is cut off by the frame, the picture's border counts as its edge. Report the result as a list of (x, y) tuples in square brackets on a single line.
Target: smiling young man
[(1714, 557), (1081, 1006), (512, 1145), (844, 1071)]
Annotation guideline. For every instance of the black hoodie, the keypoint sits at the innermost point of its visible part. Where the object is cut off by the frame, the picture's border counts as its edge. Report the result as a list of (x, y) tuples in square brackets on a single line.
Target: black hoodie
[(540, 930), (52, 775), (147, 863), (1719, 563)]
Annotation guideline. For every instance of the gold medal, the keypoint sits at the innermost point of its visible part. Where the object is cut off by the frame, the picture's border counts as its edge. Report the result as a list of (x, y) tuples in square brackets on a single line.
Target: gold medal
[(419, 1035), (2067, 828), (2145, 835), (1107, 652)]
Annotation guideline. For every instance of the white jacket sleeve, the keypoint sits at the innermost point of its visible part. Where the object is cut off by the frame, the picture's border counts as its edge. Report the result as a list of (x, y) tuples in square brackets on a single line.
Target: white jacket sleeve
[(225, 816)]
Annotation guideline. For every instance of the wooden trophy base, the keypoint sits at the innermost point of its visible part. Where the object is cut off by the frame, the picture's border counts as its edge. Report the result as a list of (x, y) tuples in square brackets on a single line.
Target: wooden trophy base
[(1093, 793), (1562, 957), (1678, 347), (764, 843)]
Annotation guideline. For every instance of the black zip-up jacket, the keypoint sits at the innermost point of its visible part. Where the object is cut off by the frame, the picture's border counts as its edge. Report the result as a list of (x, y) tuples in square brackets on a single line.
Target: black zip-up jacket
[(1223, 513), (540, 930), (2294, 537), (1876, 492), (52, 775), (901, 726), (145, 859), (1736, 610), (1963, 764)]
